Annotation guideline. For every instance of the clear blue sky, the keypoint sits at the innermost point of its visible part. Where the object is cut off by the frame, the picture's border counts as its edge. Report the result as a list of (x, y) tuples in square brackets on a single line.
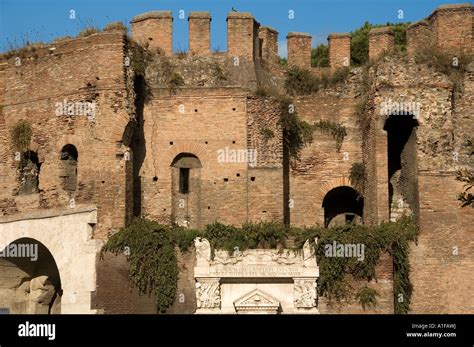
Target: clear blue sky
[(43, 20)]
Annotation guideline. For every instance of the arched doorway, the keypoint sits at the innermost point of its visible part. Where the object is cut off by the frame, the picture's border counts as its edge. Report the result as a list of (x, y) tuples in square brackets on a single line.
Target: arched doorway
[(342, 205), (402, 165), (29, 279), (186, 190)]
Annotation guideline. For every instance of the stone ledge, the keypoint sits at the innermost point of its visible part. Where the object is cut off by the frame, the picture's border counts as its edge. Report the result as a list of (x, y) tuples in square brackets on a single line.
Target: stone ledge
[(199, 15), (451, 7), (297, 34), (41, 214), (381, 31), (240, 15), (338, 35), (264, 27), (423, 22)]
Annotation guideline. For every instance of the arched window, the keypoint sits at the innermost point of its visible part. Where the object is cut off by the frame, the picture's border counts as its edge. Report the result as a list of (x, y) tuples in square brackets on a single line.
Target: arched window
[(342, 205), (29, 173), (186, 190), (184, 162), (68, 167)]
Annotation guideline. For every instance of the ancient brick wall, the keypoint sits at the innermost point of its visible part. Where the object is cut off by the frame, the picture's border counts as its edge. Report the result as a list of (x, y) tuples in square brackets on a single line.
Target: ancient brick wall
[(212, 115), (115, 293), (242, 35), (380, 40), (449, 27), (265, 182), (87, 69), (269, 43), (419, 37), (321, 167), (154, 28), (299, 49), (444, 125), (453, 27), (339, 50), (383, 284), (199, 33), (442, 260), (186, 291)]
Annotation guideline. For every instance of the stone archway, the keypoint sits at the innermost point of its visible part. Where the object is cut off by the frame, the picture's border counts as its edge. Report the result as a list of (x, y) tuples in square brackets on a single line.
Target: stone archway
[(29, 278), (67, 236), (342, 205)]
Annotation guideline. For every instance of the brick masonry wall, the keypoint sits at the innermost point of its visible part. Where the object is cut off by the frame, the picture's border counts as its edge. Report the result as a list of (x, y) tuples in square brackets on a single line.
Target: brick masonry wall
[(321, 168), (220, 111), (383, 284), (154, 28), (339, 50), (199, 33), (265, 181), (77, 70), (239, 123), (186, 291), (242, 35), (445, 122), (419, 36), (299, 50), (380, 40), (443, 260), (115, 293), (453, 27), (218, 119), (269, 47)]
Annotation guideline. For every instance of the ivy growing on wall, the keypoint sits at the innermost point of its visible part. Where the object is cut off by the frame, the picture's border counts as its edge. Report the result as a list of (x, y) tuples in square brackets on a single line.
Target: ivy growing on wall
[(21, 136), (336, 130), (296, 132), (153, 261), (357, 177), (335, 272), (140, 57), (466, 197), (367, 297)]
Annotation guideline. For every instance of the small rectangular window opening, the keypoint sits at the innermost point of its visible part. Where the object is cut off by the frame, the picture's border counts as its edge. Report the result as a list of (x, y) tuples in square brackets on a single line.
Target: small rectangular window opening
[(183, 180)]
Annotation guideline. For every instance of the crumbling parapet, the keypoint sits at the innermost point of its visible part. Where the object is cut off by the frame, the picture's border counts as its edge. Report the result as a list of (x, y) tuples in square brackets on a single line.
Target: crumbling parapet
[(199, 33), (419, 37), (154, 28), (380, 41), (268, 44), (339, 50), (299, 49), (242, 35), (453, 27)]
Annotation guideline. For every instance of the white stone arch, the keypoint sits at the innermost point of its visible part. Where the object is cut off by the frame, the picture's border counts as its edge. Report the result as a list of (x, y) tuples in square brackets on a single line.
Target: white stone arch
[(68, 237)]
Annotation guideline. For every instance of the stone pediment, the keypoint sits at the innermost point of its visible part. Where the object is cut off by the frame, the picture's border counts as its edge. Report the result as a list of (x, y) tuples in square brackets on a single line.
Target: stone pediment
[(257, 302)]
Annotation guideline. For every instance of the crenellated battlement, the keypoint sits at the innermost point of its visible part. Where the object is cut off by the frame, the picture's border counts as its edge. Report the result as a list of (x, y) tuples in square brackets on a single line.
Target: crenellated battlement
[(449, 28)]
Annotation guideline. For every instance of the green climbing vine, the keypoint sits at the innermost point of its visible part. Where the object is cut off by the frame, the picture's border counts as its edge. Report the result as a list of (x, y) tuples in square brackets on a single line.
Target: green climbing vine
[(21, 136), (151, 250), (152, 259), (335, 272), (357, 177), (367, 297), (296, 132), (336, 130)]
